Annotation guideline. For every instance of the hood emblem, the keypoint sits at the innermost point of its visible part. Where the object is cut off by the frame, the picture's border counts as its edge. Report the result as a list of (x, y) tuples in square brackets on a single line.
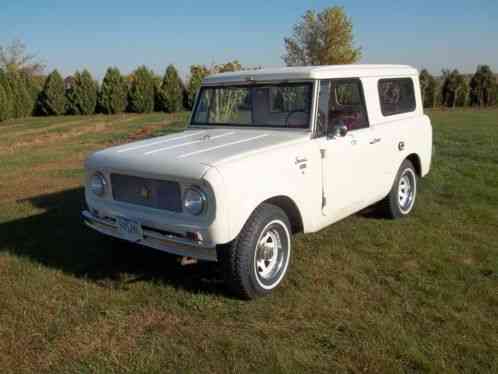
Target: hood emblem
[(206, 137), (145, 193)]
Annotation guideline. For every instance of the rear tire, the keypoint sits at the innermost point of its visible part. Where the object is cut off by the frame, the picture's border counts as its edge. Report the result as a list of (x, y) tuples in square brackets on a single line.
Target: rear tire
[(257, 260), (401, 199)]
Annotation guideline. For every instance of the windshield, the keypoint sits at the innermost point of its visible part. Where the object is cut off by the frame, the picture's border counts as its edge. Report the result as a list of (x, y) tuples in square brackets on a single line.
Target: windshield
[(285, 105)]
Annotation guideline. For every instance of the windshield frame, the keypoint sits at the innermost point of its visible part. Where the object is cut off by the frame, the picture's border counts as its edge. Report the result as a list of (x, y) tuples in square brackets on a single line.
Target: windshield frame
[(250, 84)]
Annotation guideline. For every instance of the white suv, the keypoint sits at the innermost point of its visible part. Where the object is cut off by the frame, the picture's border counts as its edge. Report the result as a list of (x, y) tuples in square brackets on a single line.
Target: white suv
[(267, 153)]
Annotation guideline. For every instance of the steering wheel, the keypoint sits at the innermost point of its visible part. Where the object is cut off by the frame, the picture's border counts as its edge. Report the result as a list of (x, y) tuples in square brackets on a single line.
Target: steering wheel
[(293, 113)]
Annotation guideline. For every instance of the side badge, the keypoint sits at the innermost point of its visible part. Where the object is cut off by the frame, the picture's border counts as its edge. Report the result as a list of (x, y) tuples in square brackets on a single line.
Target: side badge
[(301, 163)]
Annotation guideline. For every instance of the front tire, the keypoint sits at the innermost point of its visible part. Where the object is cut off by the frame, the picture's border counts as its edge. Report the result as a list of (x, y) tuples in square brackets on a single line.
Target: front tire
[(401, 199), (257, 260)]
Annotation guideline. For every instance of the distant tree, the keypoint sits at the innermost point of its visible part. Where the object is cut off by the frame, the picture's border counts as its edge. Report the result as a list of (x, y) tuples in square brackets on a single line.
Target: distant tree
[(14, 58), (428, 86), (52, 98), (496, 93), (226, 67), (3, 104), (462, 95), (197, 74), (81, 94), (483, 87), (141, 93), (439, 92), (113, 93), (157, 80), (454, 85), (169, 95), (324, 38), (34, 86), (7, 109), (22, 102)]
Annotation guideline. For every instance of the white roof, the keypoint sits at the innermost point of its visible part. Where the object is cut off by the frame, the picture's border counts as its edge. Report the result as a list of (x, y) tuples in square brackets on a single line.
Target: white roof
[(312, 72)]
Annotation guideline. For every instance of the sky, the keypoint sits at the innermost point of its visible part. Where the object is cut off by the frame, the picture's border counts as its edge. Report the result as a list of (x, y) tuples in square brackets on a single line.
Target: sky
[(70, 35)]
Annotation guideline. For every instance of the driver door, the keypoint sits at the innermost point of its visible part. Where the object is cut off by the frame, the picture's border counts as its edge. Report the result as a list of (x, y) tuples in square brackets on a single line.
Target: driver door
[(344, 137)]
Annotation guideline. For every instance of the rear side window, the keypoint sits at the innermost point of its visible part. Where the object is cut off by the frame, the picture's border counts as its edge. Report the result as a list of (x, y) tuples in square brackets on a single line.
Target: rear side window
[(396, 96)]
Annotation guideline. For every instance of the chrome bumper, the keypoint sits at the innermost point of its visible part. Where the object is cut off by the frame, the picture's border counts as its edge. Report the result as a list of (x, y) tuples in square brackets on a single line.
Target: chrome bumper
[(153, 239)]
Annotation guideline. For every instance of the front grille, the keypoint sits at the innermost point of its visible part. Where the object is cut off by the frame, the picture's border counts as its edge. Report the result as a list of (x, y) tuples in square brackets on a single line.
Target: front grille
[(151, 193)]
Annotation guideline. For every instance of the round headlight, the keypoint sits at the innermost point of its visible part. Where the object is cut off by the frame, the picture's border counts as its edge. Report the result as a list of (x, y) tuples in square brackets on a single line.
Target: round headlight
[(194, 201), (98, 184)]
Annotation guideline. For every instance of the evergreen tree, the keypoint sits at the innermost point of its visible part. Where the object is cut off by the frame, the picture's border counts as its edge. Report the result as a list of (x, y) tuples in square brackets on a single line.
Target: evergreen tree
[(141, 93), (34, 86), (428, 86), (197, 74), (52, 98), (462, 96), (22, 104), (454, 84), (113, 93), (483, 87), (169, 96), (3, 104), (8, 111), (82, 94)]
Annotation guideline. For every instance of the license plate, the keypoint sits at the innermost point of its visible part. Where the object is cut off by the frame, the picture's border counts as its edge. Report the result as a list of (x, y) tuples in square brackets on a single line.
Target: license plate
[(129, 229)]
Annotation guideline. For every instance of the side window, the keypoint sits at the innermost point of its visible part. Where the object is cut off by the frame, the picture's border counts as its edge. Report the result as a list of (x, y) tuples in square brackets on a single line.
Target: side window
[(396, 96), (347, 104), (341, 103)]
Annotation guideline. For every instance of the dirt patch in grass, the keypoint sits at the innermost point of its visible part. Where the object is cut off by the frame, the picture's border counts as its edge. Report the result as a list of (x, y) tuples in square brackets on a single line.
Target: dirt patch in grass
[(145, 132), (46, 139), (140, 134)]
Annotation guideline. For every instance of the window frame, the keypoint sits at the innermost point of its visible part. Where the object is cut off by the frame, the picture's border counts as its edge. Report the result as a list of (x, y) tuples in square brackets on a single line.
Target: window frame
[(413, 108), (362, 98)]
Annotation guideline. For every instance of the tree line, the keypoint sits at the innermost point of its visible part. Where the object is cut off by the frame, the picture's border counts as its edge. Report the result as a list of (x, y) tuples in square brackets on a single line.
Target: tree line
[(318, 38), (453, 89), (25, 94)]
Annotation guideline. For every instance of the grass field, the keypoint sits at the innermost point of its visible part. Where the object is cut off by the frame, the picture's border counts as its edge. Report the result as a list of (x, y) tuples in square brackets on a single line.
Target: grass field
[(364, 295)]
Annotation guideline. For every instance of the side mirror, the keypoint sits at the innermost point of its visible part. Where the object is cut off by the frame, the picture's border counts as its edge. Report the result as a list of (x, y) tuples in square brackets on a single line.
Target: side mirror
[(339, 130)]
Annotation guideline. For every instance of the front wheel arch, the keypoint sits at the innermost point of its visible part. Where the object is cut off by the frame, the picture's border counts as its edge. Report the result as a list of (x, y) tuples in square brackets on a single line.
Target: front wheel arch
[(291, 210)]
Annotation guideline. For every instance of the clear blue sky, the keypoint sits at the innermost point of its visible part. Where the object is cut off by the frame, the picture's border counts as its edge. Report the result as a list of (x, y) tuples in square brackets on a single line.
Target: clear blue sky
[(92, 34)]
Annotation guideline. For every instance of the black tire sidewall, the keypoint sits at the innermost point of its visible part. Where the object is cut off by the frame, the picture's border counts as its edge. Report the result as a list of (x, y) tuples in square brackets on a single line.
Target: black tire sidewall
[(240, 270)]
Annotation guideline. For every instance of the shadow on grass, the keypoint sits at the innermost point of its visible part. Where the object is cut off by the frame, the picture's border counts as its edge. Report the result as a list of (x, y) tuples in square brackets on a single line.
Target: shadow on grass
[(57, 238)]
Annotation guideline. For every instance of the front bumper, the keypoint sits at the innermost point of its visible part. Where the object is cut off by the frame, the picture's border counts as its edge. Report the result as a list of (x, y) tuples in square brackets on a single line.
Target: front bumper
[(154, 239)]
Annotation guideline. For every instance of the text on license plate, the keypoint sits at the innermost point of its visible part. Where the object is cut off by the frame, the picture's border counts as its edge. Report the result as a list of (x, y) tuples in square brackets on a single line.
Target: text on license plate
[(131, 230)]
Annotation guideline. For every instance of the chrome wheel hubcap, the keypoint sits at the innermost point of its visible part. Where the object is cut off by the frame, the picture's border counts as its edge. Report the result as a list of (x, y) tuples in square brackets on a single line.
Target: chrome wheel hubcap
[(406, 190), (267, 254), (271, 255)]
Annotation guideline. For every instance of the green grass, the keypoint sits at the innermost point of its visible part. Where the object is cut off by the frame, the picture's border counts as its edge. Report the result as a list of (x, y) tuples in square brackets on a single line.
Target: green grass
[(364, 295)]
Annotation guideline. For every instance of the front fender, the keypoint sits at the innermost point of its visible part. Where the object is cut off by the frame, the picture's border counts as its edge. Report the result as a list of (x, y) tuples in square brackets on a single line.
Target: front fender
[(248, 183)]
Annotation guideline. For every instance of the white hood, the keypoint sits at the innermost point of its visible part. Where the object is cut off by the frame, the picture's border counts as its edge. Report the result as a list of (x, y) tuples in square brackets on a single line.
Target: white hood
[(188, 154)]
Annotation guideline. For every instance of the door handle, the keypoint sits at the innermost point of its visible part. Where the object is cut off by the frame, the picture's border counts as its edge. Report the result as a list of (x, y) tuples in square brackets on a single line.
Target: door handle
[(376, 140)]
